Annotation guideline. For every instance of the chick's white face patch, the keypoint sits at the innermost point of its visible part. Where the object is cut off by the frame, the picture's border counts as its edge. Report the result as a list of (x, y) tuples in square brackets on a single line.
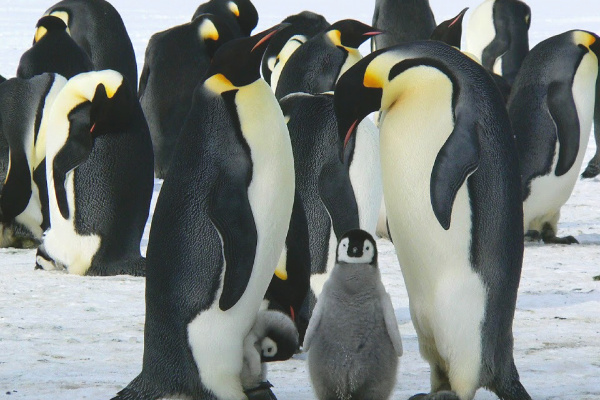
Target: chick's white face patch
[(345, 251), (269, 347)]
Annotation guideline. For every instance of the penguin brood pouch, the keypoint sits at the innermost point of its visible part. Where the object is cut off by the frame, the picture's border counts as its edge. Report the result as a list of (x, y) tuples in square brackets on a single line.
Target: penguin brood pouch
[(99, 170)]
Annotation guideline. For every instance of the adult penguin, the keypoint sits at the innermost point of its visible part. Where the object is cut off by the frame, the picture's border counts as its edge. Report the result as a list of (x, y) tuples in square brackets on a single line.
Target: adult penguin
[(497, 34), (322, 180), (316, 66), (551, 109), (451, 187), (53, 50), (97, 27), (401, 21), (176, 60), (303, 26), (240, 15), (593, 167), (24, 110), (231, 188), (99, 174)]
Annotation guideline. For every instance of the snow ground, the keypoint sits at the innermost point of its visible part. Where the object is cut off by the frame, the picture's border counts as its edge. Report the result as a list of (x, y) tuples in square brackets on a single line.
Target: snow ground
[(69, 337)]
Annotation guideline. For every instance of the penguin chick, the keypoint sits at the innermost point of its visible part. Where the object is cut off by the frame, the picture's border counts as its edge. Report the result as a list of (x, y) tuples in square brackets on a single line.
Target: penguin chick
[(273, 337), (352, 339)]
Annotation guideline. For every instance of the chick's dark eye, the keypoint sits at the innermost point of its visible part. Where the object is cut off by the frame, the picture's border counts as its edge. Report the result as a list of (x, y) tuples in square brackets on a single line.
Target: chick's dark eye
[(368, 248)]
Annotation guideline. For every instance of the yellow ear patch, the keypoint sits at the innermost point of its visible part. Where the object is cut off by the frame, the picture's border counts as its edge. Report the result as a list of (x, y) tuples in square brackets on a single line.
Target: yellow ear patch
[(281, 271), (64, 16), (584, 38), (39, 33), (372, 79), (219, 83), (234, 8), (208, 30), (335, 36)]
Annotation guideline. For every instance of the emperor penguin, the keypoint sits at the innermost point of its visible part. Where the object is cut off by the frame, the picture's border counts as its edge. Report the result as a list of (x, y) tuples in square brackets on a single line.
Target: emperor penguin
[(217, 233), (53, 50), (303, 26), (322, 179), (593, 167), (452, 192), (98, 28), (316, 66), (353, 341), (551, 109), (497, 34), (175, 61), (24, 110), (99, 176), (401, 21), (450, 31), (239, 15)]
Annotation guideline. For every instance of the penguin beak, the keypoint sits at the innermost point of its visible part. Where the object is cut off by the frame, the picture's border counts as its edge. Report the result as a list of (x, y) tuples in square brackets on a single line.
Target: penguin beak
[(459, 17), (349, 134), (372, 33), (268, 34)]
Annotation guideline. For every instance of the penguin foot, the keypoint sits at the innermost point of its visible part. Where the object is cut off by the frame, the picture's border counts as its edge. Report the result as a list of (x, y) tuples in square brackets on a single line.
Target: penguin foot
[(559, 240), (591, 171), (533, 236), (441, 395), (261, 392), (597, 278)]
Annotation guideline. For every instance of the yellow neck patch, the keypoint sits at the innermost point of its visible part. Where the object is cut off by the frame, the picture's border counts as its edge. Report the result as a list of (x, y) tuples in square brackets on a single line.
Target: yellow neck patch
[(39, 33), (336, 37), (218, 84), (208, 30), (584, 38)]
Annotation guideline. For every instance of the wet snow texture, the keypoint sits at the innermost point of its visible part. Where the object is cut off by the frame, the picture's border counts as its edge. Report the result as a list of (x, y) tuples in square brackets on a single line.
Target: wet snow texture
[(68, 337)]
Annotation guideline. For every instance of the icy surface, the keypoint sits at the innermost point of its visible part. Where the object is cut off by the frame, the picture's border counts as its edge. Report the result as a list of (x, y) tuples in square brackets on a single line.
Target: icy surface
[(68, 337)]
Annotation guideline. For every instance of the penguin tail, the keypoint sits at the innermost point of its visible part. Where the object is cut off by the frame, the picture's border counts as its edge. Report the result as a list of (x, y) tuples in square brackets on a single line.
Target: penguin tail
[(510, 387)]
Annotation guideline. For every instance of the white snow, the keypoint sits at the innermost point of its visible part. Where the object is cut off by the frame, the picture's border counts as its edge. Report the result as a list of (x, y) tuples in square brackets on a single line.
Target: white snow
[(71, 337)]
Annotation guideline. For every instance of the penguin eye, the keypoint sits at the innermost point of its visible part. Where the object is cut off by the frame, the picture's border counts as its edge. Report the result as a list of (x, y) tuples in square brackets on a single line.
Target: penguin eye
[(368, 248)]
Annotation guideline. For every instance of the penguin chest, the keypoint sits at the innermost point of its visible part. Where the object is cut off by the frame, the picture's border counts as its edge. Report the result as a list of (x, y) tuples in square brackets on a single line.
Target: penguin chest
[(480, 30), (284, 55), (434, 262), (549, 192)]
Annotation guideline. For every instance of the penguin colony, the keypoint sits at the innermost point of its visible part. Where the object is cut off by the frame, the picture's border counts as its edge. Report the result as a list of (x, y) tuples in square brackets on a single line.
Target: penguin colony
[(262, 243)]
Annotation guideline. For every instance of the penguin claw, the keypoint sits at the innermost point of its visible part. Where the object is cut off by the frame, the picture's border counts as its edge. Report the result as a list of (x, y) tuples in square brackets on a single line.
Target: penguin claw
[(261, 392), (533, 236)]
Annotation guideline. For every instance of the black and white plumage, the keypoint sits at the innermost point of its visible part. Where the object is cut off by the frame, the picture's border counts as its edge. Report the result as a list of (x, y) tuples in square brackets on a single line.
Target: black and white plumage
[(217, 233), (551, 109), (97, 27), (24, 110), (303, 26), (239, 15), (316, 66), (99, 176), (452, 191), (497, 34), (401, 21), (593, 167), (175, 62), (53, 50), (352, 339)]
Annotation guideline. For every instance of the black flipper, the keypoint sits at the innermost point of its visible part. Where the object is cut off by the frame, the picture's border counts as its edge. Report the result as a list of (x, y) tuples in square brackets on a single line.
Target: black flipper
[(337, 194), (497, 47), (229, 210), (16, 191), (74, 152), (458, 158), (564, 113)]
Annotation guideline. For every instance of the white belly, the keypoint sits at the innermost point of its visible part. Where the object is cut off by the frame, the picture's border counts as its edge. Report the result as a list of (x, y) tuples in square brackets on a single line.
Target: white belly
[(550, 192), (447, 299), (216, 337), (365, 175), (480, 29), (318, 280)]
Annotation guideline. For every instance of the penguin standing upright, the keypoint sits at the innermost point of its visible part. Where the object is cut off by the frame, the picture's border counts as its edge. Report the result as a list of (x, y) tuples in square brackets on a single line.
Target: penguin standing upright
[(24, 110), (239, 15), (322, 179), (450, 31), (97, 27), (497, 34), (352, 340), (217, 233), (551, 109), (452, 193), (316, 66), (401, 21), (53, 51), (99, 174), (303, 26), (176, 60)]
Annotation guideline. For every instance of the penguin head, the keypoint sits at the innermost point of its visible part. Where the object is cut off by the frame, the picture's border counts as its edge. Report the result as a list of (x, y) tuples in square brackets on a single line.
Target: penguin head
[(49, 23), (237, 62), (356, 95), (111, 107), (450, 31), (212, 32), (357, 247), (350, 33), (281, 339), (587, 40), (245, 14)]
